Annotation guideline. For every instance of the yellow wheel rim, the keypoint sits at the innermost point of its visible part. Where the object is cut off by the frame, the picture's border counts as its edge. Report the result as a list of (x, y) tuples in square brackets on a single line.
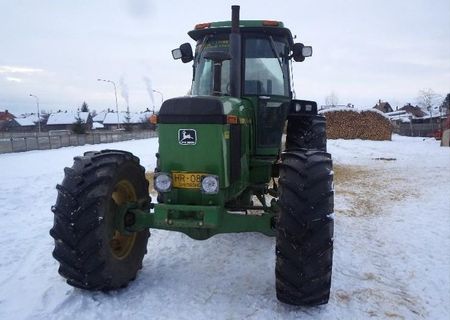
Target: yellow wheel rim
[(120, 244)]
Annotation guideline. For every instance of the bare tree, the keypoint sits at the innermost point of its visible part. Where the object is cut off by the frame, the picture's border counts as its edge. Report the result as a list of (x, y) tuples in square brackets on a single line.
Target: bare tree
[(428, 99), (332, 99), (444, 110), (445, 106)]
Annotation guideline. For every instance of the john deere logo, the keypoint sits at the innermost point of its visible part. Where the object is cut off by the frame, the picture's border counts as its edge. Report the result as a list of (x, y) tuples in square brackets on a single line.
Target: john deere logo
[(187, 136)]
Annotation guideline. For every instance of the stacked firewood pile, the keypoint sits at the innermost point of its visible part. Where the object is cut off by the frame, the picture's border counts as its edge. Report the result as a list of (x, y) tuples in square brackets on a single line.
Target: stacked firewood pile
[(355, 124)]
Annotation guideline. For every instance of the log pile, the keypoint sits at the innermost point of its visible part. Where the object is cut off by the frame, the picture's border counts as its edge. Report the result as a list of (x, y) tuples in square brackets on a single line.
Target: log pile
[(355, 124)]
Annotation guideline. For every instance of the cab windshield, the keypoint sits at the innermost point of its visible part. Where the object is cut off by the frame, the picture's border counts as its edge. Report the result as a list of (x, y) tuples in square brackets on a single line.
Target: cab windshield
[(265, 65)]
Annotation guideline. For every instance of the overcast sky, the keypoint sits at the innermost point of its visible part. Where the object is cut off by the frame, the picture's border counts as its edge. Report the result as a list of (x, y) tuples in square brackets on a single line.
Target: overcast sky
[(364, 50)]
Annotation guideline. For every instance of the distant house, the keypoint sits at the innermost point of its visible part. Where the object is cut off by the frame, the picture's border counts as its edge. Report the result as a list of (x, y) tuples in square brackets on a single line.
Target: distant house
[(413, 121), (399, 116), (413, 110), (98, 120), (384, 107), (408, 113), (5, 117), (25, 124), (65, 120)]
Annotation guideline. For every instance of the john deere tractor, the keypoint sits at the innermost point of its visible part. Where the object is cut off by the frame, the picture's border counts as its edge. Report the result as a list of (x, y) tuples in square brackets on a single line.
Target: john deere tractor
[(222, 167)]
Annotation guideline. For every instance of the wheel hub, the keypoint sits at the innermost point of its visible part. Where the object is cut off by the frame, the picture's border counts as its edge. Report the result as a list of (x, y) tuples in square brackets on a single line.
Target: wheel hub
[(122, 244)]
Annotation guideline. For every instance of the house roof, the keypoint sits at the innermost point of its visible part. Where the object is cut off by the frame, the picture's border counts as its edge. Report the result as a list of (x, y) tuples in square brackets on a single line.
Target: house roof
[(111, 118), (5, 115), (410, 112), (414, 110), (383, 106), (31, 116), (67, 117), (399, 115), (24, 122), (100, 117)]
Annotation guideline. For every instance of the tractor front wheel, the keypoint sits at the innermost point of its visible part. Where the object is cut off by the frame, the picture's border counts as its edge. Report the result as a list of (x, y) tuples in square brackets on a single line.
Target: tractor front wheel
[(304, 245), (92, 253)]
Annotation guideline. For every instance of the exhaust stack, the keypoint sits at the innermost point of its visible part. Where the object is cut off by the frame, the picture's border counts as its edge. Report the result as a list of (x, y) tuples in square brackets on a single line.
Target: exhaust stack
[(235, 52)]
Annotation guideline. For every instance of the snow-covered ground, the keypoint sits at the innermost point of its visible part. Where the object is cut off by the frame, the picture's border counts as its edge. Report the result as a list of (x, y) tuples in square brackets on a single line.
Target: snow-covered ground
[(392, 246)]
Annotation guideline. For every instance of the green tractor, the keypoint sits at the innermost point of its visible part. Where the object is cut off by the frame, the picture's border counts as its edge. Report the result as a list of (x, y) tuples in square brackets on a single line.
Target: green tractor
[(221, 168)]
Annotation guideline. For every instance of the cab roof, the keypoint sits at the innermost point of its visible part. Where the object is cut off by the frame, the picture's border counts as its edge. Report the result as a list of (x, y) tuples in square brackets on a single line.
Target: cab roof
[(246, 26)]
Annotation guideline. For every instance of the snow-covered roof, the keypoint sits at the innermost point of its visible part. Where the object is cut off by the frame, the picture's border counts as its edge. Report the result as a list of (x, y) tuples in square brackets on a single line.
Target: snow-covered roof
[(433, 115), (405, 115), (32, 116), (100, 116), (97, 125), (67, 117), (396, 113), (111, 118), (23, 122), (143, 116), (401, 118)]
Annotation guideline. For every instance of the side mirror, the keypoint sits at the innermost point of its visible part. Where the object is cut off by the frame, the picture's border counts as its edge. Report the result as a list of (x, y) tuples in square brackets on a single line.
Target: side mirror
[(300, 52), (184, 52), (307, 51), (176, 54)]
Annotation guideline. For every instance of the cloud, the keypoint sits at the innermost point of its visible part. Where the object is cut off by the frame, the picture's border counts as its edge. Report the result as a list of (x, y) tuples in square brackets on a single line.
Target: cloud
[(20, 70), (13, 79), (140, 9)]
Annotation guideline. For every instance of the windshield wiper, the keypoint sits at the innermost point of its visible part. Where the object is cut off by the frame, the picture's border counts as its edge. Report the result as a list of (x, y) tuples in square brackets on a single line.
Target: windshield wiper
[(203, 47), (272, 46), (274, 50)]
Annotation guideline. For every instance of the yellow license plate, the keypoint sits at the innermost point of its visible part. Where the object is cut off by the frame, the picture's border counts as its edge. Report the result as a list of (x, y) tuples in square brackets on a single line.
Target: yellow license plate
[(186, 180)]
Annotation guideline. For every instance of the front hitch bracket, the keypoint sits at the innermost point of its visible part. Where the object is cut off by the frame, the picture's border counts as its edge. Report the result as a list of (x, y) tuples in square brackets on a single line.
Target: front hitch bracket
[(133, 217)]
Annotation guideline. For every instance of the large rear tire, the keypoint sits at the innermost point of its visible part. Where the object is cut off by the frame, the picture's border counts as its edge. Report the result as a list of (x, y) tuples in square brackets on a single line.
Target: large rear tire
[(306, 132), (304, 246), (92, 254)]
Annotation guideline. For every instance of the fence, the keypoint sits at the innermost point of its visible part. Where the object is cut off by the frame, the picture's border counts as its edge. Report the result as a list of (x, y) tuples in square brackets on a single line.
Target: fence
[(424, 129), (18, 142)]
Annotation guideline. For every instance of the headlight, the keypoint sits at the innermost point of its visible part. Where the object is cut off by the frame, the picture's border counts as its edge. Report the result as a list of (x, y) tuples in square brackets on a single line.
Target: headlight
[(210, 184), (162, 182)]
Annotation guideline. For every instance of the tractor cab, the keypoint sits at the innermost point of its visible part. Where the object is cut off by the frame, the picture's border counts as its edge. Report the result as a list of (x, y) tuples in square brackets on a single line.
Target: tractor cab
[(261, 75)]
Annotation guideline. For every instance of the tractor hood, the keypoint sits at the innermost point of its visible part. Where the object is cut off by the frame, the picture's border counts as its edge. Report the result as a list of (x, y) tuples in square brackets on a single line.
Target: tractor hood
[(198, 136), (200, 109)]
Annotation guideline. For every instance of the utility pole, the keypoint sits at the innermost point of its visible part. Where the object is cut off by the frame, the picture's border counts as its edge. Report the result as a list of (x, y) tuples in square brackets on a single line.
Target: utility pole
[(38, 113), (115, 94)]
